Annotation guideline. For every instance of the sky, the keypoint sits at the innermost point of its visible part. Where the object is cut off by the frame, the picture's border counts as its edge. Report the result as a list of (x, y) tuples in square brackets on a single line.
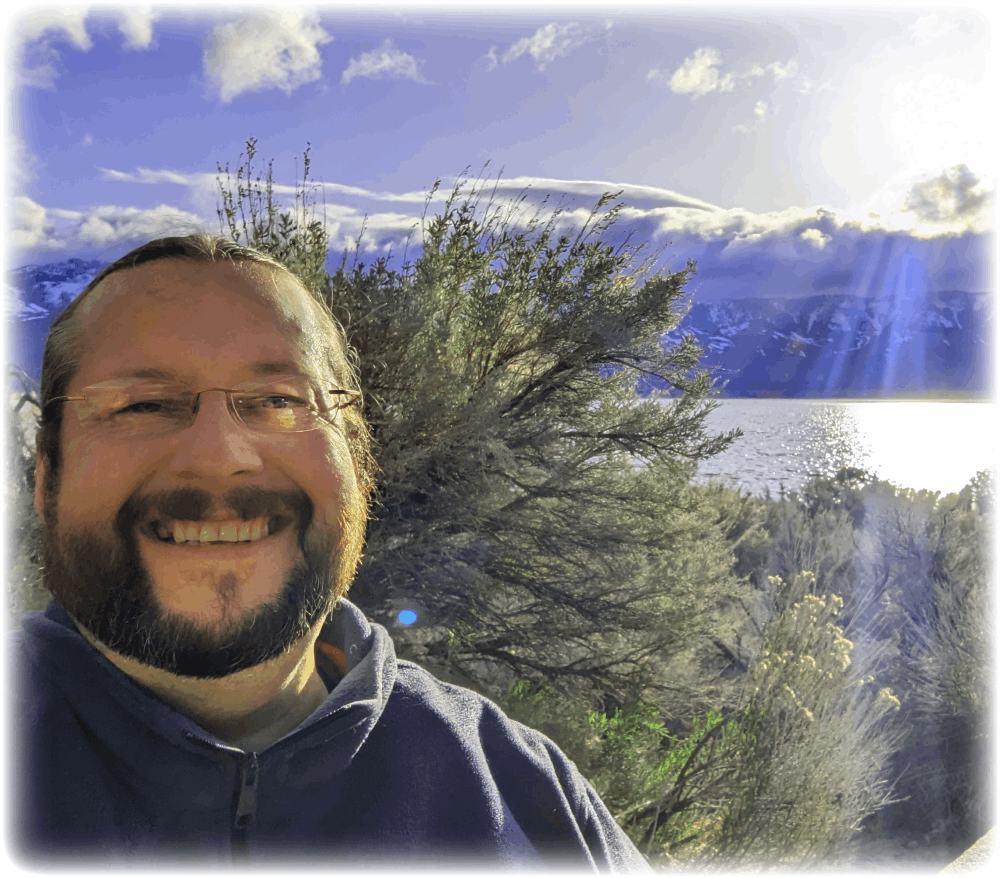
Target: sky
[(785, 148)]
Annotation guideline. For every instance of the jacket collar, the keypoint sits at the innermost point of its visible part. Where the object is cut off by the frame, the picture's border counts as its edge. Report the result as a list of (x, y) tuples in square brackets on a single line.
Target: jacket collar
[(98, 690)]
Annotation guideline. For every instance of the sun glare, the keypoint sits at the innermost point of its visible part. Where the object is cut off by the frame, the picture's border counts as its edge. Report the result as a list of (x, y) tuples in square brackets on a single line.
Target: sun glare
[(939, 455)]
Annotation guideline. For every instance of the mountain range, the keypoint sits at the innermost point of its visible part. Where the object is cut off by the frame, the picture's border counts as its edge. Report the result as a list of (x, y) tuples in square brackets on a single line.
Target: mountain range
[(830, 345)]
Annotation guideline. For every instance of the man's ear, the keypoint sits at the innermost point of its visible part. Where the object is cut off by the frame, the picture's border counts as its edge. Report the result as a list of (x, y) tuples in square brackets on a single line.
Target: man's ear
[(40, 474)]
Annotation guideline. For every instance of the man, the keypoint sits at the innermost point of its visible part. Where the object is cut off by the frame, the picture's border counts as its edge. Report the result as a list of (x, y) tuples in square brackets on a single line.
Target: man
[(200, 687)]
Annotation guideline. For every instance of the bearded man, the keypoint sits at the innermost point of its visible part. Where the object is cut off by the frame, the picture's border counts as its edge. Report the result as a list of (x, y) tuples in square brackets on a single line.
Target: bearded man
[(199, 687)]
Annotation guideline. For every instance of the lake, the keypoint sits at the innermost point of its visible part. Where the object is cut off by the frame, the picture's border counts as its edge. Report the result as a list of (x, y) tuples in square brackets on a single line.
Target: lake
[(933, 445)]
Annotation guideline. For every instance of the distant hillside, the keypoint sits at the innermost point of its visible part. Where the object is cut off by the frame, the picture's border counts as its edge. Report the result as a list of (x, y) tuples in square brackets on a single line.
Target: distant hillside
[(830, 345), (844, 346), (35, 295)]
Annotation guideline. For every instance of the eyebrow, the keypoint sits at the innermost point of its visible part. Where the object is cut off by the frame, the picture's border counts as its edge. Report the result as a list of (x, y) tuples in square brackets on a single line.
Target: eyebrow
[(263, 367)]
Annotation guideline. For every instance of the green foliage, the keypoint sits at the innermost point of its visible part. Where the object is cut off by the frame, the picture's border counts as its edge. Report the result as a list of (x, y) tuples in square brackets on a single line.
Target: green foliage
[(926, 561), (913, 569), (527, 497), (251, 215), (816, 737)]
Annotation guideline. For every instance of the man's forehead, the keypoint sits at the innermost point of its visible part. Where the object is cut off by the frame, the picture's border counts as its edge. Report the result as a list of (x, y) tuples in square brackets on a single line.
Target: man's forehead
[(177, 281), (130, 305)]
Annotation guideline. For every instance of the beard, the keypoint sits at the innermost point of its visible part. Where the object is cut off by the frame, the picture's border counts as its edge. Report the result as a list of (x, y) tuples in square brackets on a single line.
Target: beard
[(98, 575)]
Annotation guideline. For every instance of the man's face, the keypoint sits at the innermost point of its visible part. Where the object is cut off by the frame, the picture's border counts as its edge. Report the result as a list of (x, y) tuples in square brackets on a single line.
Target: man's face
[(210, 606)]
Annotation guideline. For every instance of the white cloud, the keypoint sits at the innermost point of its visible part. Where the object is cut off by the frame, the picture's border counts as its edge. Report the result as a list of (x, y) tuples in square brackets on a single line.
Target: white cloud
[(699, 75), (386, 62), (778, 70), (136, 26), (40, 228), (944, 207), (547, 43), (88, 139), (146, 175), (955, 194), (35, 39), (32, 227), (51, 25), (39, 37), (815, 238), (264, 50)]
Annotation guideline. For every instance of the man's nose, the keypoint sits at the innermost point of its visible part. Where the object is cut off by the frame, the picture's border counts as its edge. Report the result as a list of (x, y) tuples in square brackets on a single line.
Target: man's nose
[(216, 447)]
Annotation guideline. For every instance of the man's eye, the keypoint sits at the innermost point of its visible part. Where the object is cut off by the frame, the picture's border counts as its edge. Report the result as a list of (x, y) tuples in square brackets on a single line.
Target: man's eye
[(166, 407), (275, 401)]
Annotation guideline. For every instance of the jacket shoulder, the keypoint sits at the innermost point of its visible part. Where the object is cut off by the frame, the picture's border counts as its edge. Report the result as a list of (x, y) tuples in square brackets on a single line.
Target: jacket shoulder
[(546, 793)]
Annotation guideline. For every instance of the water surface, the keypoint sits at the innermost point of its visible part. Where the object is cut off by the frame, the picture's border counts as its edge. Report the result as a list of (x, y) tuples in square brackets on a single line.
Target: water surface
[(933, 445)]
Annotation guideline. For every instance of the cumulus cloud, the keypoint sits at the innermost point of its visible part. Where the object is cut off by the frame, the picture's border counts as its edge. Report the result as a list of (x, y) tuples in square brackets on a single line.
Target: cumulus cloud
[(39, 228), (38, 38), (388, 61), (546, 44), (264, 50), (699, 74), (112, 224), (66, 26), (815, 238), (32, 227), (136, 26), (955, 194)]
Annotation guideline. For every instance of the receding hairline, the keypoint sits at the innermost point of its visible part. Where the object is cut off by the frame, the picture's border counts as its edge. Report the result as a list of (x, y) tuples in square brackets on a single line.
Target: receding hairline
[(300, 312), (121, 280)]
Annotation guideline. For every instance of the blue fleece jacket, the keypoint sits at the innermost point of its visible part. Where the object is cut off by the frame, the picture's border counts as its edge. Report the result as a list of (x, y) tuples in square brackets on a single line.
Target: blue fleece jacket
[(394, 766)]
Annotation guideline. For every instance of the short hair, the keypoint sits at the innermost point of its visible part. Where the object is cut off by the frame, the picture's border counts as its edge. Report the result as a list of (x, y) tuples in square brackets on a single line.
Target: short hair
[(63, 346)]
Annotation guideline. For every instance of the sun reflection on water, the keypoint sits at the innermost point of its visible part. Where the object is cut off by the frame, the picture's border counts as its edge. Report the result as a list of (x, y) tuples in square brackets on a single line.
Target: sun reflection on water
[(932, 445), (938, 446)]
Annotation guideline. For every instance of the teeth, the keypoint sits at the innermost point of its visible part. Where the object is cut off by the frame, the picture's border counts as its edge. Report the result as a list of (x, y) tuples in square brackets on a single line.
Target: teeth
[(214, 532), (209, 533)]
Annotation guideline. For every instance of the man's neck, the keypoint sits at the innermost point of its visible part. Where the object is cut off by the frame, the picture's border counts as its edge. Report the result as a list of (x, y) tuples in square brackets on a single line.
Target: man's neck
[(252, 709)]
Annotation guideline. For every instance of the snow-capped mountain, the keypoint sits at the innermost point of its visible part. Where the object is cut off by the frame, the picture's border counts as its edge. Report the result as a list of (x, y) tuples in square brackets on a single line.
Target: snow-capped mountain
[(845, 346), (35, 294), (830, 345)]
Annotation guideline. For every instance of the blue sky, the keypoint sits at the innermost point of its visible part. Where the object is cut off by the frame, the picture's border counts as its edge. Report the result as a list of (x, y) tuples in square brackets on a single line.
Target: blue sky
[(785, 149)]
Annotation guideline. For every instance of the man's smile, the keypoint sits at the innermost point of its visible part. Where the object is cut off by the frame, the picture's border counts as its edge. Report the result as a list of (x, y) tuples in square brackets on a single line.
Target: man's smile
[(199, 533), (219, 540)]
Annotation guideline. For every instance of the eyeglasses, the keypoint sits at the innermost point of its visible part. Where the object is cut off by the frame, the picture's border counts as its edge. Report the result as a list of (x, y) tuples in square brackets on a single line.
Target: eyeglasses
[(132, 409)]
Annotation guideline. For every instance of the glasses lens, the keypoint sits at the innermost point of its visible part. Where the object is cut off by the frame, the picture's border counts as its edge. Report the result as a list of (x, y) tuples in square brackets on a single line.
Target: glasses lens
[(284, 406), (136, 410)]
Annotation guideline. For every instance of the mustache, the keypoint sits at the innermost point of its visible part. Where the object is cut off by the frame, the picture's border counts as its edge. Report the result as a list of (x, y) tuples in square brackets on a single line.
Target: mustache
[(194, 504)]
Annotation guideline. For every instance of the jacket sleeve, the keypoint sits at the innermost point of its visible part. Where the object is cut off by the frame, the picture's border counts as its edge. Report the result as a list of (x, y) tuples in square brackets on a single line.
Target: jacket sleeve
[(556, 807), (611, 849)]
